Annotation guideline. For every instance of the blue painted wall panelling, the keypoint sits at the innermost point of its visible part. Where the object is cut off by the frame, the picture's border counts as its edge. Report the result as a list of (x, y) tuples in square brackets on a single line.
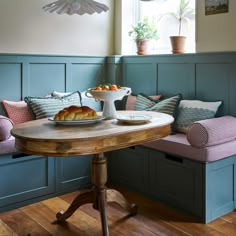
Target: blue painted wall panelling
[(206, 76), (174, 78), (232, 92), (84, 76), (213, 84), (37, 75), (45, 78), (10, 81), (114, 70), (140, 77), (203, 76)]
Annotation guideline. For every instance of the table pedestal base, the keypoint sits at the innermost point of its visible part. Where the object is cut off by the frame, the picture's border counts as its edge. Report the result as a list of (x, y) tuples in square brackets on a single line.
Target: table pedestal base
[(99, 195)]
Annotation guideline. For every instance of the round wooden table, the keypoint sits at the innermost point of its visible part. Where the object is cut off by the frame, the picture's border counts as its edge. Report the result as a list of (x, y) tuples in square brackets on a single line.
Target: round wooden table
[(44, 137)]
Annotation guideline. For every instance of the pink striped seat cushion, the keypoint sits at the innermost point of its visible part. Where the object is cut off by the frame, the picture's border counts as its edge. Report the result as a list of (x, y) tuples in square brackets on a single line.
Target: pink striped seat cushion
[(178, 145), (5, 128), (211, 132)]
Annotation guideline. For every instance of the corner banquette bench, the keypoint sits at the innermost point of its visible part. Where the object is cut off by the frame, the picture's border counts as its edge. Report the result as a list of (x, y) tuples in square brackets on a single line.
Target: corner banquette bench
[(24, 178), (164, 170), (199, 180), (29, 178)]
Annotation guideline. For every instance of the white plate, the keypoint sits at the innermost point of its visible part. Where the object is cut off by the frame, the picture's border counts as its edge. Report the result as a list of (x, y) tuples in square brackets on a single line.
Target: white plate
[(134, 119), (77, 122)]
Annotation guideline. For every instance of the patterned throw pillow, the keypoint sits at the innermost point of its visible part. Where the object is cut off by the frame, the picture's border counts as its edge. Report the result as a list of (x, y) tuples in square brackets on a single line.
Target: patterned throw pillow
[(194, 110), (90, 102), (168, 106), (131, 100), (143, 102), (18, 112), (48, 107)]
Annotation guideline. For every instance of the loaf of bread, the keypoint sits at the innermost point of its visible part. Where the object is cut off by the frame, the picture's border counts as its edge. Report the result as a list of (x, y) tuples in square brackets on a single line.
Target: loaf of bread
[(76, 113)]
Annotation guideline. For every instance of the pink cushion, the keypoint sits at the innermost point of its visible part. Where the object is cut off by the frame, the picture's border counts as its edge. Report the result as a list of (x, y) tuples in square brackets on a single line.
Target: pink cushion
[(178, 145), (5, 128), (211, 132), (7, 146), (131, 100), (18, 112)]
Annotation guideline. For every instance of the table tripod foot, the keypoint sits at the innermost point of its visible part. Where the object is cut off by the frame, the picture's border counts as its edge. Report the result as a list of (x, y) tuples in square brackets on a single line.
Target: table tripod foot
[(85, 197), (115, 196)]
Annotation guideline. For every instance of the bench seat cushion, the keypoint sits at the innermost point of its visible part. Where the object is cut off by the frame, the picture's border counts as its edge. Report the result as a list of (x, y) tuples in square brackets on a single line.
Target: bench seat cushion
[(7, 146), (178, 145)]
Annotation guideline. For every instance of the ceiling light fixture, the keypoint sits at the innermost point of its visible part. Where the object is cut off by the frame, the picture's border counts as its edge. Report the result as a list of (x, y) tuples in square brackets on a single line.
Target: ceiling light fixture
[(79, 7)]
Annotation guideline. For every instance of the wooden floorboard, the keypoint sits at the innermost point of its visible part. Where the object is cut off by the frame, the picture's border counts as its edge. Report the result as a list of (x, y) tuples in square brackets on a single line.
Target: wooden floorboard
[(153, 219)]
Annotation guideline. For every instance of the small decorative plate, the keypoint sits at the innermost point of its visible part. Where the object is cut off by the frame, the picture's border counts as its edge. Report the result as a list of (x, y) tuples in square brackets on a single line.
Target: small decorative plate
[(134, 119), (77, 122)]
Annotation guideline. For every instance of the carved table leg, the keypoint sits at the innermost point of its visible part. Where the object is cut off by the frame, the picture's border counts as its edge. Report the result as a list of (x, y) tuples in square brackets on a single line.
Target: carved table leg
[(99, 195), (83, 198), (115, 196), (99, 179)]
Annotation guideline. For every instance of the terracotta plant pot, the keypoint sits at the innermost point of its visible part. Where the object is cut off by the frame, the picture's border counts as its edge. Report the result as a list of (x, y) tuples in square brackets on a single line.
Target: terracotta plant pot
[(178, 44), (144, 46)]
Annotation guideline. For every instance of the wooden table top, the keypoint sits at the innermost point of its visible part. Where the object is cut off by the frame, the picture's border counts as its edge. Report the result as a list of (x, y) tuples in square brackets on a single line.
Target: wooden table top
[(44, 137)]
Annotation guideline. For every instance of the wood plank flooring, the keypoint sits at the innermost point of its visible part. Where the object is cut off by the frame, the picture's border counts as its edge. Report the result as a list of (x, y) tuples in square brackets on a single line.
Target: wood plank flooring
[(153, 219)]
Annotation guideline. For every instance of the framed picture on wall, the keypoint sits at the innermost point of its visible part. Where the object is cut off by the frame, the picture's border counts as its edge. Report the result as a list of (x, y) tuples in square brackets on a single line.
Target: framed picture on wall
[(216, 6)]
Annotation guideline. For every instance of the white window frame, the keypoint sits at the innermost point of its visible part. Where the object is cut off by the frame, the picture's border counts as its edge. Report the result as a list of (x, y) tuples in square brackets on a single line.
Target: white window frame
[(130, 11)]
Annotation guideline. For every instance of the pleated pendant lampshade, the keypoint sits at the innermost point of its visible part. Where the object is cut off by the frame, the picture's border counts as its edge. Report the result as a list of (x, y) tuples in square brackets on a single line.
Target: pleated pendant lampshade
[(79, 7)]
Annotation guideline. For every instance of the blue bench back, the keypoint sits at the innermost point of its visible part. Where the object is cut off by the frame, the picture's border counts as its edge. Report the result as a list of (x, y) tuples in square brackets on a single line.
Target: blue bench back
[(38, 75), (203, 76)]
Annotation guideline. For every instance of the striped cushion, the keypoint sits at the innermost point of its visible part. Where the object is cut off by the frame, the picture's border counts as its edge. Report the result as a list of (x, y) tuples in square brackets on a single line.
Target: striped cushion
[(211, 132), (194, 110), (48, 107), (131, 100), (143, 102), (168, 105)]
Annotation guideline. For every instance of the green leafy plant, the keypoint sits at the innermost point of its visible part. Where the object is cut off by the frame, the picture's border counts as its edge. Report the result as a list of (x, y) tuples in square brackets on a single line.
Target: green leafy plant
[(144, 30), (184, 13)]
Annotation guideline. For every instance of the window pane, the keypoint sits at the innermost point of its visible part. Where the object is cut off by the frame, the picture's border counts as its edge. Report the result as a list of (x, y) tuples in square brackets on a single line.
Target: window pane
[(168, 25)]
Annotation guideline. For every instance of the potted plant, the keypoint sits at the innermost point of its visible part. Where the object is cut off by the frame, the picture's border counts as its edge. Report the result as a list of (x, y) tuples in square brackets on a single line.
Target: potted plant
[(143, 34), (183, 14)]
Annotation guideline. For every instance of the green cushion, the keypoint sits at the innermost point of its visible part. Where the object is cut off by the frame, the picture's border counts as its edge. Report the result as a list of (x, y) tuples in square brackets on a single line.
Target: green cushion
[(48, 107)]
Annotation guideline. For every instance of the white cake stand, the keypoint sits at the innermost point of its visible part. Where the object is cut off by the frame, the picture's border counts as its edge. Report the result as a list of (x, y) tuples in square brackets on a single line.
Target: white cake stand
[(108, 97)]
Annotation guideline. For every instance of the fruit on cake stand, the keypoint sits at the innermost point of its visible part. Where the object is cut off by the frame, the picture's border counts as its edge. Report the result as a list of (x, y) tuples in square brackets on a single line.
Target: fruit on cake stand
[(108, 94)]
